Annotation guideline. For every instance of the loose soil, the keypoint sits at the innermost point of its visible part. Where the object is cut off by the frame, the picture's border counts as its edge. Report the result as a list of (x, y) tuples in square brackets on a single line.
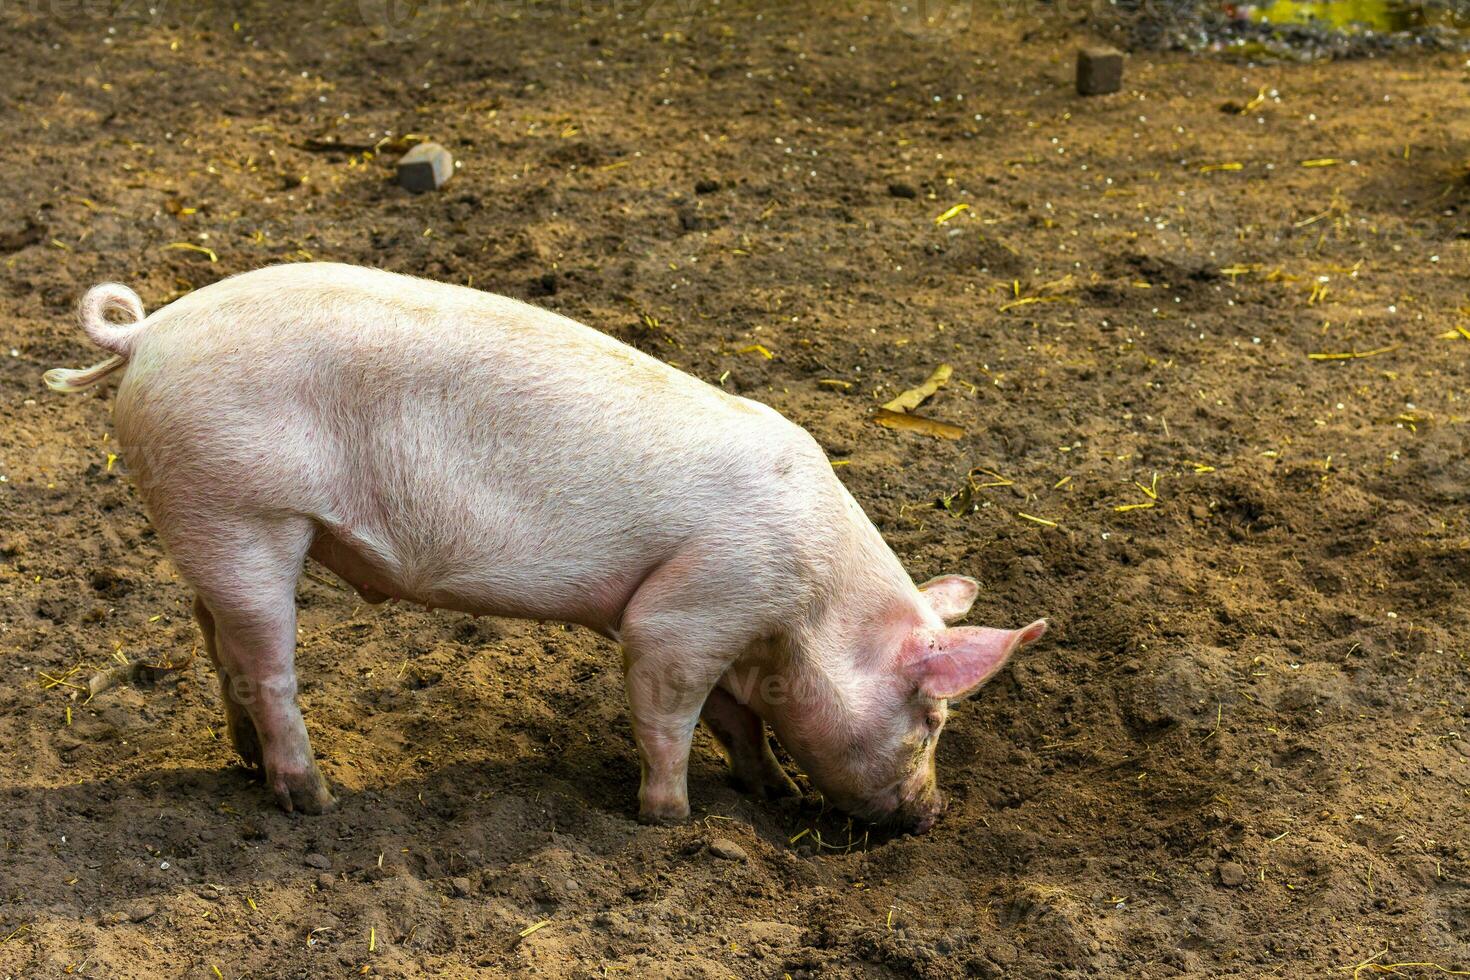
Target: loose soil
[(1242, 750)]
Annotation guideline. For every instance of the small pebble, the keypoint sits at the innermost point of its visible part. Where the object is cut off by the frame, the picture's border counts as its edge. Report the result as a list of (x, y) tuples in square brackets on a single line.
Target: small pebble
[(1232, 875), (319, 861), (728, 850), (461, 886), (425, 167)]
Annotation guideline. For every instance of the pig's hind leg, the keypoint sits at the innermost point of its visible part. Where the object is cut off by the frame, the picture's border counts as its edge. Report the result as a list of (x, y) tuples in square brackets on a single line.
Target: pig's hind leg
[(242, 729), (742, 735), (245, 570)]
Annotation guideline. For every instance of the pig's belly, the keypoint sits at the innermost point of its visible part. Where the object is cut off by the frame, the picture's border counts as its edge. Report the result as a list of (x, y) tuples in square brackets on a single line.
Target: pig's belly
[(524, 592)]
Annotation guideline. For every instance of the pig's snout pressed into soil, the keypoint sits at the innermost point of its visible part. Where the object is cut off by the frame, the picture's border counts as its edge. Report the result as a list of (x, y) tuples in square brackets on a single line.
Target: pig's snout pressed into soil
[(919, 813), (922, 818)]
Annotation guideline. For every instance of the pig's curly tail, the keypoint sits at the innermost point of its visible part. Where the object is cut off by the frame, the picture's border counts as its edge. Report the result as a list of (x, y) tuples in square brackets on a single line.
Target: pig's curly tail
[(115, 337)]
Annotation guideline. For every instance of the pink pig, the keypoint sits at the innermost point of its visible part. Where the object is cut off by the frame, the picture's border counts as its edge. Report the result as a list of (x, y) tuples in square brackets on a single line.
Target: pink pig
[(462, 450)]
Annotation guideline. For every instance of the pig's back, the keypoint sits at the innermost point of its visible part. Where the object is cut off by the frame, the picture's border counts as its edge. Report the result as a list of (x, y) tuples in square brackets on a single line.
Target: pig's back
[(465, 441)]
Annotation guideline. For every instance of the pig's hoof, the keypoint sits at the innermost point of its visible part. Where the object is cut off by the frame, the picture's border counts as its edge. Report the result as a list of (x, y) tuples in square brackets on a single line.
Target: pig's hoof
[(667, 816), (306, 792), (778, 786), (767, 780)]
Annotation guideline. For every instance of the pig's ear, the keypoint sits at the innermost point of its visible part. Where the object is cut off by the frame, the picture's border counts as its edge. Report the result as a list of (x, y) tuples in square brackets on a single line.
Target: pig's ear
[(957, 661), (951, 596)]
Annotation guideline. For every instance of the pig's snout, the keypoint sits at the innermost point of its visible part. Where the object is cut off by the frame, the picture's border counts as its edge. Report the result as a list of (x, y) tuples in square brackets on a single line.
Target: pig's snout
[(919, 814)]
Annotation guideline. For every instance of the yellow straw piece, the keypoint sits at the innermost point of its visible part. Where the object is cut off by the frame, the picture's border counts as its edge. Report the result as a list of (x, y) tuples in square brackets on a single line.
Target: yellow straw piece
[(958, 208), (1350, 355), (191, 247)]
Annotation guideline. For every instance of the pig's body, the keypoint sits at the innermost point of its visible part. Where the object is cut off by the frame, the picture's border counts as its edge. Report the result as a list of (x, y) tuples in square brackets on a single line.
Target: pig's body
[(463, 450)]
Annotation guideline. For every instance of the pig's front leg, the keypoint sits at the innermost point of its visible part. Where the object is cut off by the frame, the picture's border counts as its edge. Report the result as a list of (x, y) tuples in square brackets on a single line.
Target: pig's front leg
[(679, 636), (742, 735), (665, 704)]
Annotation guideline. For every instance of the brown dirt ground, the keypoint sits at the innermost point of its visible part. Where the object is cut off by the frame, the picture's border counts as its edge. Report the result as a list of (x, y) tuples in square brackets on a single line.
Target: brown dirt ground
[(1243, 751)]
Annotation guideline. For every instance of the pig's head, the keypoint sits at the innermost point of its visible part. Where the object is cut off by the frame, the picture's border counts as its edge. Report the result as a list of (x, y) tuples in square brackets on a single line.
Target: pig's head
[(867, 732)]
